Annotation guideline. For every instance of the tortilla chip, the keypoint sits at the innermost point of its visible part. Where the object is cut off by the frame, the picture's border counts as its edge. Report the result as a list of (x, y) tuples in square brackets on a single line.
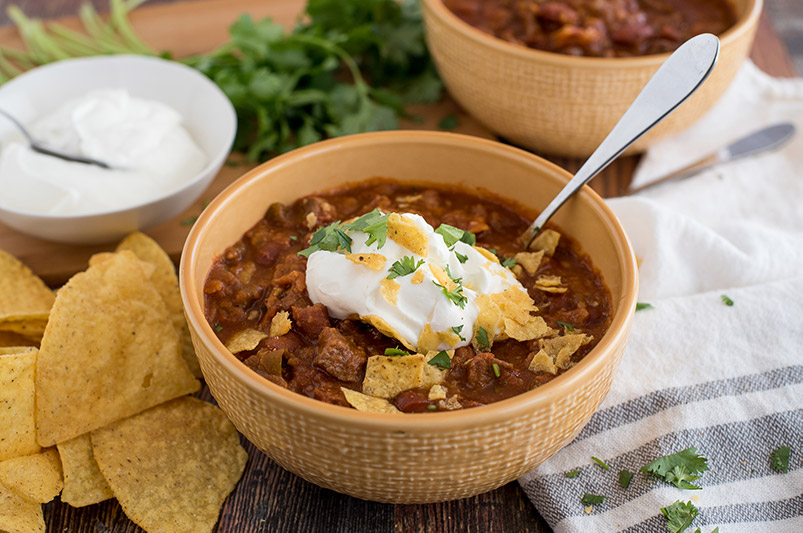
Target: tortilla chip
[(246, 340), (546, 241), (517, 308), (17, 422), (451, 404), (83, 483), (23, 296), (487, 254), (280, 324), (171, 467), (9, 338), (550, 284), (543, 362), (390, 290), (18, 515), (372, 261), (35, 477), (406, 233), (531, 261), (437, 392), (29, 328), (387, 376), (430, 340), (386, 329), (166, 281), (109, 351), (370, 404), (562, 348), (443, 279), (418, 277)]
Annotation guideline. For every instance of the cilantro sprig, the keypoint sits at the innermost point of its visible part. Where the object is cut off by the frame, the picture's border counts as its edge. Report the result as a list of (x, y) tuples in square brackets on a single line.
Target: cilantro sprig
[(457, 329), (404, 266), (455, 296), (679, 468), (679, 516), (482, 338), (779, 460), (452, 235), (334, 237), (592, 499), (375, 224), (441, 360)]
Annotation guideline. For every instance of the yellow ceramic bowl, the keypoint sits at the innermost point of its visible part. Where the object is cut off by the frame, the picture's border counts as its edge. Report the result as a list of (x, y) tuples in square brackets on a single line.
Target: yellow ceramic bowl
[(409, 458), (561, 104)]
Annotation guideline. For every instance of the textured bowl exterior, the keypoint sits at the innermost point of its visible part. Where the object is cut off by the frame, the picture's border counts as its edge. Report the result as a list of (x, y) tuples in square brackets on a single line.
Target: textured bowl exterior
[(561, 104), (415, 458)]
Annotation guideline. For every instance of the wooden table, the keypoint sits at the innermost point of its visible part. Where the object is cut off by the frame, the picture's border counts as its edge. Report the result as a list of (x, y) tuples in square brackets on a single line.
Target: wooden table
[(269, 498)]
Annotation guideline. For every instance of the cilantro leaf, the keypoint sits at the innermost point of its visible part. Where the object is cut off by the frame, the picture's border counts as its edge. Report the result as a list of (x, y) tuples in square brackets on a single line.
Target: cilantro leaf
[(404, 266), (727, 301), (218, 328), (497, 371), (509, 262), (643, 305), (451, 235), (482, 338), (329, 238), (779, 460), (571, 475), (457, 330), (460, 257), (566, 325), (591, 499), (679, 516), (600, 462), (374, 224), (449, 122), (441, 359), (395, 351), (679, 468), (624, 478), (455, 296)]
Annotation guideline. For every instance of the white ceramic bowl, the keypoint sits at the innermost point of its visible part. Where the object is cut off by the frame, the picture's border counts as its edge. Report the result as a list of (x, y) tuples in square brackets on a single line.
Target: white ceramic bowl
[(208, 116)]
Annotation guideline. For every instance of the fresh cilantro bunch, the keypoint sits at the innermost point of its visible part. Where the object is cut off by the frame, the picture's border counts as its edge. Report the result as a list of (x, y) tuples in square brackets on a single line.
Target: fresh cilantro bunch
[(680, 468), (351, 67)]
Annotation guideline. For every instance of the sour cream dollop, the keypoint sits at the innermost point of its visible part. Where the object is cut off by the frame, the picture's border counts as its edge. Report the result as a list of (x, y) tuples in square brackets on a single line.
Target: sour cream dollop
[(413, 308), (151, 152)]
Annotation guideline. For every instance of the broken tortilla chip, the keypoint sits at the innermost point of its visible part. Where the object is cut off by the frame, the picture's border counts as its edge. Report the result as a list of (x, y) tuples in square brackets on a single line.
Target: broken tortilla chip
[(372, 261), (370, 404), (109, 351), (390, 290), (406, 233), (36, 477), (18, 515), (171, 467), (24, 298), (531, 261), (280, 324), (83, 483), (17, 422), (387, 376), (246, 340), (546, 241), (563, 347), (166, 282), (543, 362)]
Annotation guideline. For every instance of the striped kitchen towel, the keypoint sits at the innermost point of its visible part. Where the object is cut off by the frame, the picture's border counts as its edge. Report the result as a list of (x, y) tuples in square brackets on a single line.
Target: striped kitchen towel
[(716, 362)]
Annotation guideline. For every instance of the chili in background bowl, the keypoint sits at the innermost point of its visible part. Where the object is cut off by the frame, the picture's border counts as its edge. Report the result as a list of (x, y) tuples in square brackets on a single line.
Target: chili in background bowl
[(409, 458), (562, 104)]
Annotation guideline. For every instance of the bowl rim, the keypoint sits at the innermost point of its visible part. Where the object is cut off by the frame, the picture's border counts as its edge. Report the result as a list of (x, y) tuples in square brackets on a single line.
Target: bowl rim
[(215, 160), (439, 9), (490, 414)]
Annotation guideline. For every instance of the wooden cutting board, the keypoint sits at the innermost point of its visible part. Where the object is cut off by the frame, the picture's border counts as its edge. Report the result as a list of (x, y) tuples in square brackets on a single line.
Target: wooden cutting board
[(192, 27), (184, 29)]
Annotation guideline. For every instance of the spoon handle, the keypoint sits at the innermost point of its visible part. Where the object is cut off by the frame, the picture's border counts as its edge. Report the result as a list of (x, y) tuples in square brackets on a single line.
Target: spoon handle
[(679, 76)]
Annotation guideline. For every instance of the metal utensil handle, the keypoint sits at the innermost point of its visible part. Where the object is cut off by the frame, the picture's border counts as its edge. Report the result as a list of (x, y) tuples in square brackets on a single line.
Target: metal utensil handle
[(679, 76)]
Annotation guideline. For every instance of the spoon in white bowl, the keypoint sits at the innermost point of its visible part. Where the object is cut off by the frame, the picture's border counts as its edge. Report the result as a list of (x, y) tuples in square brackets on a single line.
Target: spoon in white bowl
[(679, 76), (38, 147)]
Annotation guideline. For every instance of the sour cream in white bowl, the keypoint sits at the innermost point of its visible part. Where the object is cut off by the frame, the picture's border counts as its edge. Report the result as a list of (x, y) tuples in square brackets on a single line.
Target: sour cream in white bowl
[(164, 128)]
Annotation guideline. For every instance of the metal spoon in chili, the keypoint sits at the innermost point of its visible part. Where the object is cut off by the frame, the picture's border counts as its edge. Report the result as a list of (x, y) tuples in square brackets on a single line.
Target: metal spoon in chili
[(679, 76)]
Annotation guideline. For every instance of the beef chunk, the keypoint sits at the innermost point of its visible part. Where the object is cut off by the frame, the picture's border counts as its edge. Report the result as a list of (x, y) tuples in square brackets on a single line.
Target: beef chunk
[(481, 372), (339, 356), (311, 319)]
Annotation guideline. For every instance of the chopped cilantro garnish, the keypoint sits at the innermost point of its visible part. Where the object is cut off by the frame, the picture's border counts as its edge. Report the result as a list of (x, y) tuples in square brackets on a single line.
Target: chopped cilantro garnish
[(643, 305), (441, 360), (404, 266), (509, 262), (497, 372), (493, 251), (396, 351), (452, 235), (591, 499), (217, 327), (456, 296), (715, 530), (727, 301), (449, 273), (600, 462), (482, 339), (329, 238), (432, 407), (374, 224), (457, 330), (566, 325), (293, 237), (449, 122), (460, 257), (573, 474), (679, 516), (624, 478), (779, 460), (679, 468)]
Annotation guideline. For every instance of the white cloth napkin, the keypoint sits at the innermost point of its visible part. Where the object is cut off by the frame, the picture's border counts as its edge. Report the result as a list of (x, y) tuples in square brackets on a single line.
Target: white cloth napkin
[(727, 380)]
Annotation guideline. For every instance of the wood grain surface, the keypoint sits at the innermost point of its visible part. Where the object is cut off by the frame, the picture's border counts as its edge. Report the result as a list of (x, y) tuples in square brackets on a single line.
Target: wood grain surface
[(268, 498)]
